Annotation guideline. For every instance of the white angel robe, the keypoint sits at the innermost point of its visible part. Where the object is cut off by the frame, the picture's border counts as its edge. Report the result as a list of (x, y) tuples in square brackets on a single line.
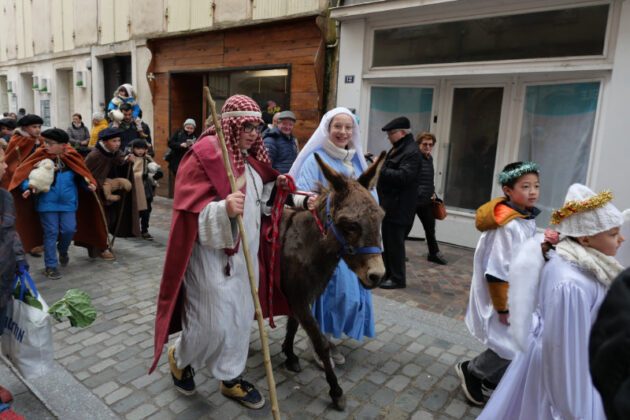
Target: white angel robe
[(218, 309), (492, 256), (552, 379)]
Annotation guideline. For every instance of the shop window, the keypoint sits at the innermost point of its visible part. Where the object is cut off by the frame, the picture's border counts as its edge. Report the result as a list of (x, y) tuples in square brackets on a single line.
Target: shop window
[(556, 133), (44, 111), (559, 33), (387, 103), (269, 88), (472, 146)]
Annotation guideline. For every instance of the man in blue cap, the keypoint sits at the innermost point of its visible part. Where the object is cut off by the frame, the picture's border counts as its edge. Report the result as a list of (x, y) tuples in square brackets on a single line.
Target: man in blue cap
[(397, 189)]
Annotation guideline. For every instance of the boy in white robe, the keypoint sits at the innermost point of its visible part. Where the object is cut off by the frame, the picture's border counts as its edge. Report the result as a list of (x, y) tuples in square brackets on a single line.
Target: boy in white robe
[(551, 379), (506, 223)]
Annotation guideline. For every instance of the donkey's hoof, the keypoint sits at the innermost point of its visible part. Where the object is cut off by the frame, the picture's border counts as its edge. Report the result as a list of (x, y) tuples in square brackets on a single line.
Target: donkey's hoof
[(340, 403), (293, 365)]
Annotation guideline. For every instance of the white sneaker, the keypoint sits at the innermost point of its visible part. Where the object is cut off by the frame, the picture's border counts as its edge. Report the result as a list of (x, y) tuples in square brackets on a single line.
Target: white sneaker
[(336, 355), (319, 361)]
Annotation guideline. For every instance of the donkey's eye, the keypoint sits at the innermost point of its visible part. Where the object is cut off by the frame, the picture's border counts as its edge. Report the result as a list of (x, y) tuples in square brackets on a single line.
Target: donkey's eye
[(350, 227)]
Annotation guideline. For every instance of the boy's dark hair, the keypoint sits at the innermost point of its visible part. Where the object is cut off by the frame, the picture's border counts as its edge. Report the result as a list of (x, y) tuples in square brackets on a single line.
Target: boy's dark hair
[(126, 107), (511, 181), (139, 144)]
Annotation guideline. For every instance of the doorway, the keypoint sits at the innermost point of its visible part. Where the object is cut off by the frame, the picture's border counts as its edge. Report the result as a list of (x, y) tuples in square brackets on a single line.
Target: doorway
[(116, 71), (26, 96), (65, 97)]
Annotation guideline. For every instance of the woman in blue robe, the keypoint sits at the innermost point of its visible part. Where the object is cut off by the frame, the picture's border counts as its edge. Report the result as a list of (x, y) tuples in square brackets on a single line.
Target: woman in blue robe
[(345, 306)]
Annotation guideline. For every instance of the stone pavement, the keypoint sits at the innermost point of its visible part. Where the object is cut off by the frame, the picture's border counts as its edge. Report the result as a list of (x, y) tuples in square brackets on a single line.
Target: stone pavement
[(405, 372)]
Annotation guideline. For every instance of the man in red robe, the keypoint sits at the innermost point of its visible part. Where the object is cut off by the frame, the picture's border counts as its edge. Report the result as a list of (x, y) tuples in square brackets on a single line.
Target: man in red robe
[(205, 290)]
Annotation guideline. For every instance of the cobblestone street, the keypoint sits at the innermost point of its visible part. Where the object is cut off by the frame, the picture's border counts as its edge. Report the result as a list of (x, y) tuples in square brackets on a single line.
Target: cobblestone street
[(405, 372)]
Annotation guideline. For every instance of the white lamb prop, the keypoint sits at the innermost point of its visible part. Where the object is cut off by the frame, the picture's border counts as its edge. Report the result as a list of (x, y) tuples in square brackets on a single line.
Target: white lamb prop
[(116, 115), (42, 175), (153, 168)]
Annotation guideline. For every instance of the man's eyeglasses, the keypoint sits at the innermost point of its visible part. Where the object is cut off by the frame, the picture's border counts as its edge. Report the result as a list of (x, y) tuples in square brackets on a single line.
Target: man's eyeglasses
[(248, 128)]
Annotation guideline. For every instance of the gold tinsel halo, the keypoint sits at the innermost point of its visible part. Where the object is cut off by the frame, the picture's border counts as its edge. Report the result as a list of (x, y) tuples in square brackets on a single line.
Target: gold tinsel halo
[(572, 207)]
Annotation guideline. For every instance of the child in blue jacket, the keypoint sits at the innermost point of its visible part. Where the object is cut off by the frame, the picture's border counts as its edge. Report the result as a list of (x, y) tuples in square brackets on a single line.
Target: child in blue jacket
[(57, 207)]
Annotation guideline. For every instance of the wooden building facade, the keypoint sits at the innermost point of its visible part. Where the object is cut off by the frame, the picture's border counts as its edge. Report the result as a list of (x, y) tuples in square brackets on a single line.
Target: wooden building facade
[(280, 65)]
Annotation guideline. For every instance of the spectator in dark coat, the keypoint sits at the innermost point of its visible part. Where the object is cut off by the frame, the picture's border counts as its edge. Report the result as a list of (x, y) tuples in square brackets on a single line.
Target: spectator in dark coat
[(280, 143), (609, 349), (128, 127), (77, 132), (397, 188), (426, 195), (179, 143)]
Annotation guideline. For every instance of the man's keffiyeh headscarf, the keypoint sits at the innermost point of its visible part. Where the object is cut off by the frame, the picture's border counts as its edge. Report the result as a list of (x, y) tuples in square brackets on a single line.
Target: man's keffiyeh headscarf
[(238, 110)]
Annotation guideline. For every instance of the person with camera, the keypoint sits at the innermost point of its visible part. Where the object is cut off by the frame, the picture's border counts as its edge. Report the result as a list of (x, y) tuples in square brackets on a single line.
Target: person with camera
[(179, 143)]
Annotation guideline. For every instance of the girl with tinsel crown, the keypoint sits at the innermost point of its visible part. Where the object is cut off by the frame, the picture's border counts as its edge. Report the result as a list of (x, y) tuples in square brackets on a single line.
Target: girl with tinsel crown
[(554, 305), (506, 223)]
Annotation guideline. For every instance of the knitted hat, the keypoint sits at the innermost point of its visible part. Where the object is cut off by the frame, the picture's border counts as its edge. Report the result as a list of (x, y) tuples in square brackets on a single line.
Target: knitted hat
[(98, 116), (108, 133), (55, 134), (30, 119), (585, 213), (190, 121)]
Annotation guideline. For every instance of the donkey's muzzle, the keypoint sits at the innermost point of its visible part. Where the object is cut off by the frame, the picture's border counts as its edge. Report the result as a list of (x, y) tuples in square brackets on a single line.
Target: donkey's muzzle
[(376, 278)]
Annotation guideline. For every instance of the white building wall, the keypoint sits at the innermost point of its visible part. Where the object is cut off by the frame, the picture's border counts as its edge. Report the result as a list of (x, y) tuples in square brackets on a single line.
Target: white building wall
[(611, 169), (608, 167)]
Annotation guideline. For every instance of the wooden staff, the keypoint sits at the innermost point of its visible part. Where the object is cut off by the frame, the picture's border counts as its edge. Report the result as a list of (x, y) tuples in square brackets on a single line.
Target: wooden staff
[(122, 208), (250, 268), (101, 211)]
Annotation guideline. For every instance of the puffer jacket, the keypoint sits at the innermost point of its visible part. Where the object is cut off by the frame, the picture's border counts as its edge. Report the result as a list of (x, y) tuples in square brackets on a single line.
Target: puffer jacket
[(425, 178), (11, 251), (63, 194), (77, 135), (282, 150)]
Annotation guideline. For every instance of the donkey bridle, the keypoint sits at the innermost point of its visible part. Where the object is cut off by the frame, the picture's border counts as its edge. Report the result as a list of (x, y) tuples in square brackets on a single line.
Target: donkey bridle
[(346, 247)]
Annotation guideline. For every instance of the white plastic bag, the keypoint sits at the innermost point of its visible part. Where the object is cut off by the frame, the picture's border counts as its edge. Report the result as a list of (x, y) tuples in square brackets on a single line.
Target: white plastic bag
[(27, 338)]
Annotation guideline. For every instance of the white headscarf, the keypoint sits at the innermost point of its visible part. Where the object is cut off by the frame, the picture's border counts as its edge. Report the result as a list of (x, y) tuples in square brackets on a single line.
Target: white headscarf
[(322, 134)]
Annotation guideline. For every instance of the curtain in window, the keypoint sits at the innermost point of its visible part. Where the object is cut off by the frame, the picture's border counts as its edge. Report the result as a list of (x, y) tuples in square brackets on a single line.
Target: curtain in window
[(388, 103), (557, 133)]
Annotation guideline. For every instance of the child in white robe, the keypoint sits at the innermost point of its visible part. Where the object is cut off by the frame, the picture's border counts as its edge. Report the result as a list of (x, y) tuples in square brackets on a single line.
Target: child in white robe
[(506, 223), (551, 380)]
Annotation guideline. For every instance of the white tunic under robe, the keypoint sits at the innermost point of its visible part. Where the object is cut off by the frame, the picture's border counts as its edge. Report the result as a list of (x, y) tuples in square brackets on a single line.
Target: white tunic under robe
[(552, 379), (218, 309), (492, 256)]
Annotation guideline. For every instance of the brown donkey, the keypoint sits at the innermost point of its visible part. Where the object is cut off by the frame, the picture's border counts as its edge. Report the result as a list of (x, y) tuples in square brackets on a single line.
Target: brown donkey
[(351, 216)]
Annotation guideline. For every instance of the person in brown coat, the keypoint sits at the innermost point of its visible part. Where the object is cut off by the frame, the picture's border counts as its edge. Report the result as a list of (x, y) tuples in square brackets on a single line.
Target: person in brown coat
[(105, 162)]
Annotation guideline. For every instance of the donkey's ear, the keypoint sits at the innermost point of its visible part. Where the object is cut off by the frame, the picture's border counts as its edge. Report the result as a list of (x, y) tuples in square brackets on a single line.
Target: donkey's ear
[(369, 177), (335, 180)]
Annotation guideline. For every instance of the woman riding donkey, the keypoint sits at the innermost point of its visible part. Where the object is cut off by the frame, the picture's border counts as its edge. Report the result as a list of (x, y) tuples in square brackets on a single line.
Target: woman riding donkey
[(345, 306)]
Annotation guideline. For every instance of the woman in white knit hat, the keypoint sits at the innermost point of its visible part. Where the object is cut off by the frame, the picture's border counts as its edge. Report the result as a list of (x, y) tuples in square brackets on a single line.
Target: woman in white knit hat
[(179, 143), (553, 305)]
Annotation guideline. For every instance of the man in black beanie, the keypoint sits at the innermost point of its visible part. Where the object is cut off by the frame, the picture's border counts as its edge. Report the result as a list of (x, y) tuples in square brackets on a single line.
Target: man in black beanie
[(397, 190)]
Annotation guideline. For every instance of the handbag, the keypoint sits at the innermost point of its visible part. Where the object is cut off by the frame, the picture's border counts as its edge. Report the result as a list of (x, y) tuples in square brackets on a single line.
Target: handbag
[(439, 209), (27, 340)]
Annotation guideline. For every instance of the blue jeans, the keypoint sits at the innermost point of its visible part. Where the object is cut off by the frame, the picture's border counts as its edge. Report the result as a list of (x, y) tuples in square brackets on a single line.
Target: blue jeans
[(59, 225)]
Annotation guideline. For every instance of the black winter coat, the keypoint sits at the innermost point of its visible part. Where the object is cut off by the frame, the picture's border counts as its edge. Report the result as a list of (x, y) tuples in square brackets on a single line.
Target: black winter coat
[(609, 349), (426, 187), (177, 151), (398, 181)]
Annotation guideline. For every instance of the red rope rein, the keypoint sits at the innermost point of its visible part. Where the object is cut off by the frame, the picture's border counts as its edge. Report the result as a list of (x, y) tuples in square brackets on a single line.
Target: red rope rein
[(274, 231)]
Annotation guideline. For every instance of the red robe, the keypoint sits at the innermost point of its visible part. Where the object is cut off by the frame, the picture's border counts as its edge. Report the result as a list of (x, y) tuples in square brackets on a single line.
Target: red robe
[(90, 228), (17, 151), (201, 178)]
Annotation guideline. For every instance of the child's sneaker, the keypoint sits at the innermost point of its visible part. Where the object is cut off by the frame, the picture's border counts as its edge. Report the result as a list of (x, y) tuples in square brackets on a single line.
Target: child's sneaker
[(243, 392), (64, 259), (470, 384), (487, 389), (5, 395), (147, 236), (183, 379), (52, 273)]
